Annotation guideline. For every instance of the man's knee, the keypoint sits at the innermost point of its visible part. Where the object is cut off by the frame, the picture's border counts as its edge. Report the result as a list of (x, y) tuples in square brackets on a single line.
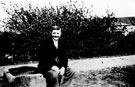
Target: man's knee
[(52, 74), (69, 72)]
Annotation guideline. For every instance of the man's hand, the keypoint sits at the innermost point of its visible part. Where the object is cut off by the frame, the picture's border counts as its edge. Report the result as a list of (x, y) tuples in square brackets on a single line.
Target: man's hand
[(55, 68), (62, 71)]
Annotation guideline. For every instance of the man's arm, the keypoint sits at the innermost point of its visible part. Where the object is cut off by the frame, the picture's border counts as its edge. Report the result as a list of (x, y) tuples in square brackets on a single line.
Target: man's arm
[(63, 60), (45, 56)]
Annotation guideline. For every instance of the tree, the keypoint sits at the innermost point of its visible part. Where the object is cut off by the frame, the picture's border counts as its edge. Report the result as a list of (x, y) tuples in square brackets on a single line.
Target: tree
[(85, 36)]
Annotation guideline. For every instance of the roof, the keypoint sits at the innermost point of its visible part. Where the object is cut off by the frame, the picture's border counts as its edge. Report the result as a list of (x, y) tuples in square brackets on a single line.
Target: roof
[(127, 20)]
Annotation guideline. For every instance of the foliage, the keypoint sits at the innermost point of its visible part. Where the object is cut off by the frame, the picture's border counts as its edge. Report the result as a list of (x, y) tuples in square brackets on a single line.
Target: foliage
[(85, 36), (126, 45)]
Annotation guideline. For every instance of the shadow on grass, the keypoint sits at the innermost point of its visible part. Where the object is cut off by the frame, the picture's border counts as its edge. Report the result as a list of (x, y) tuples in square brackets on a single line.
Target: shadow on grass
[(110, 77)]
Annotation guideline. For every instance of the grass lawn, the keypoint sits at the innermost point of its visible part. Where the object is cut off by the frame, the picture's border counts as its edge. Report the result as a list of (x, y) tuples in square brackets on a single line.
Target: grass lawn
[(110, 77)]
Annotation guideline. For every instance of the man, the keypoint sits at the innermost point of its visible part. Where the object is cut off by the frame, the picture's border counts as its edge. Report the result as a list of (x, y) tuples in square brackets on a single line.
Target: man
[(53, 63)]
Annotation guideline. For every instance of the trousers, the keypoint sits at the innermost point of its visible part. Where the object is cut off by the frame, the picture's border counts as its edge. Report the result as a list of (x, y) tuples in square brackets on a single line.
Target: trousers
[(53, 78)]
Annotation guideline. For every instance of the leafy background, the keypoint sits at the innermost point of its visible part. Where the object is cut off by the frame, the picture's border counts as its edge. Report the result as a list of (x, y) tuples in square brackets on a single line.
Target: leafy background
[(86, 36)]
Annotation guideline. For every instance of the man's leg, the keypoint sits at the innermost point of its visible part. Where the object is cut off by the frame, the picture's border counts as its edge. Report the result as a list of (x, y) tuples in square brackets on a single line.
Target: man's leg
[(52, 78), (68, 77)]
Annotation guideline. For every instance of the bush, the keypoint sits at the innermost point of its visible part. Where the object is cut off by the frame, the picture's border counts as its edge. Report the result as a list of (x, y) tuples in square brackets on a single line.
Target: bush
[(85, 36)]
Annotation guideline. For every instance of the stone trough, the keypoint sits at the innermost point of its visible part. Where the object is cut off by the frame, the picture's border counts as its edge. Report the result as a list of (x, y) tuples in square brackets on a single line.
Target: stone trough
[(23, 76)]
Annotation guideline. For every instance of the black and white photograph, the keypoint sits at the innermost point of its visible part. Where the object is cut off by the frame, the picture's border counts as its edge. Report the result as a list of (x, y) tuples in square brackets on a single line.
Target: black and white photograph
[(67, 43)]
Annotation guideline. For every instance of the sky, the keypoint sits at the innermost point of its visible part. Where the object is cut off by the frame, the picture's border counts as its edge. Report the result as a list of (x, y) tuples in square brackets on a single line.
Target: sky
[(120, 8)]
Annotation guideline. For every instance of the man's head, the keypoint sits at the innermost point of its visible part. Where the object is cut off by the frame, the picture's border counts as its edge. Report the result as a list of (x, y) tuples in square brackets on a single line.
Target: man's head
[(56, 32)]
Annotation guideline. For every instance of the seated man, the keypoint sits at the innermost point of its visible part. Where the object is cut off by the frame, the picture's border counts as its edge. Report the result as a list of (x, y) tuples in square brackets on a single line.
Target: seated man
[(53, 62)]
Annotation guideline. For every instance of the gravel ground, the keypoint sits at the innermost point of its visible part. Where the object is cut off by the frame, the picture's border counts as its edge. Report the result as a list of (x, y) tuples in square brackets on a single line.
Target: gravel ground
[(101, 63)]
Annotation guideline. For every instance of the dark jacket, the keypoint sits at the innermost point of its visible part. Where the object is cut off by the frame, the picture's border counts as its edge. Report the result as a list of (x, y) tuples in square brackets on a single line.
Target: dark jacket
[(48, 53)]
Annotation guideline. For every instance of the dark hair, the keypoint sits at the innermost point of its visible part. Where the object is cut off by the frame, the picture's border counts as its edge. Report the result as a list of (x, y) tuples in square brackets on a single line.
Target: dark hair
[(56, 27)]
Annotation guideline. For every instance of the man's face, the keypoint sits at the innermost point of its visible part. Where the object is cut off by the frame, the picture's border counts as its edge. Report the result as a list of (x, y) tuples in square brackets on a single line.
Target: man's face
[(56, 34)]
